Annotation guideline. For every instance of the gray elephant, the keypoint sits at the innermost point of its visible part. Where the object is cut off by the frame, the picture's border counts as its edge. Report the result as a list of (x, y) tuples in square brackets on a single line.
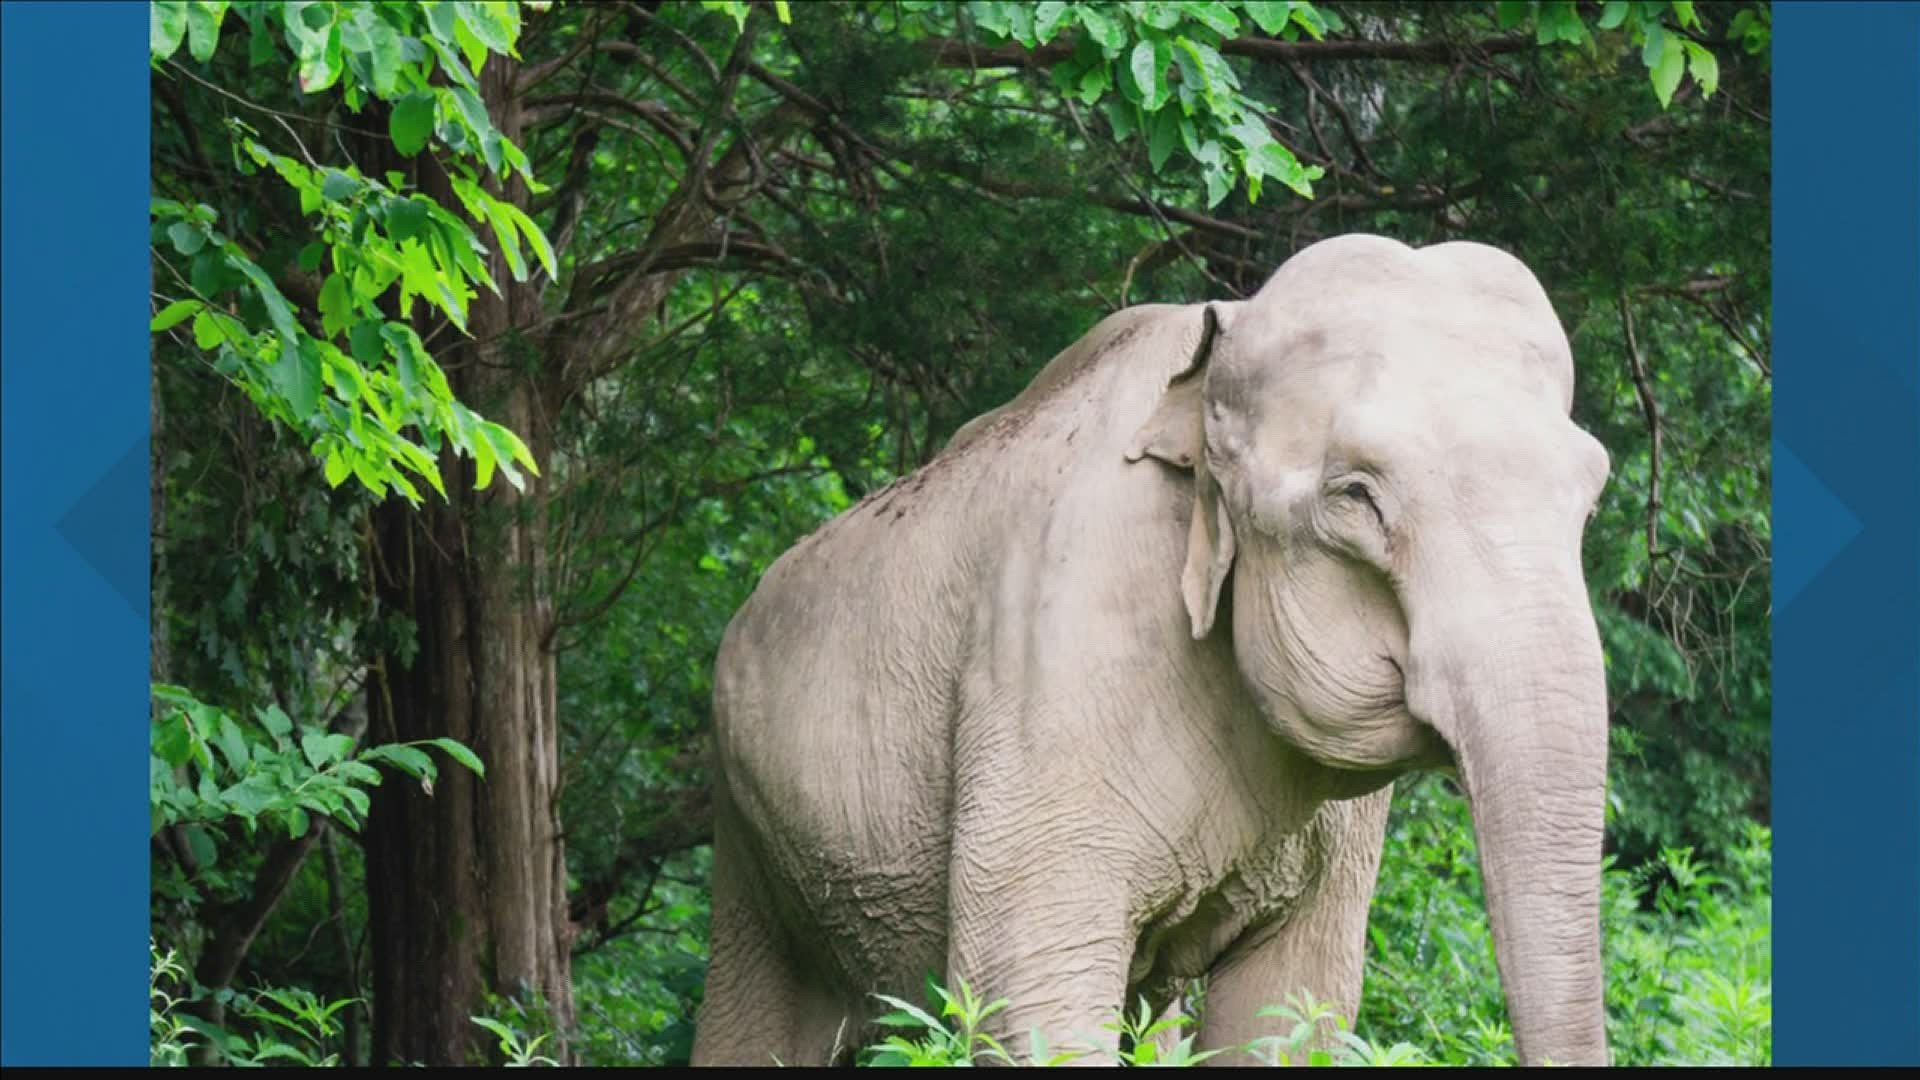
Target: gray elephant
[(1111, 693)]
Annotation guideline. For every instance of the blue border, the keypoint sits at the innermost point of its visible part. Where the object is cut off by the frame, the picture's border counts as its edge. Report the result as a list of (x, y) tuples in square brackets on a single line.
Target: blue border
[(1846, 770), (74, 420), (73, 534)]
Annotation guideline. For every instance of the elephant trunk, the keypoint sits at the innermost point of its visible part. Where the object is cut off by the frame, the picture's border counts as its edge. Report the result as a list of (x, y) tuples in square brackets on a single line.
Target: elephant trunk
[(1525, 714)]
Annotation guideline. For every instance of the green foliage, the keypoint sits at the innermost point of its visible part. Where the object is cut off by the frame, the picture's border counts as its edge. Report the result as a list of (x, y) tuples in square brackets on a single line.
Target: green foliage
[(215, 780), (169, 1036), (516, 1050), (1134, 61), (1139, 1032), (357, 387), (1667, 51), (959, 1043), (737, 10), (290, 1027), (953, 1039), (638, 984), (266, 772)]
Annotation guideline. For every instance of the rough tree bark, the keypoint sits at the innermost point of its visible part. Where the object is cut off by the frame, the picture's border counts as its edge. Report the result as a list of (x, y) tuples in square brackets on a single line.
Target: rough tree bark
[(467, 883)]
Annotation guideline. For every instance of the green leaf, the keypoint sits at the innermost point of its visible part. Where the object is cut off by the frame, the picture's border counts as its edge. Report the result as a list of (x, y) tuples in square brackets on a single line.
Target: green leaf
[(1511, 13), (1683, 12), (1666, 74), (1706, 69), (486, 22), (338, 186), (536, 239), (385, 51), (1148, 74), (516, 450), (1020, 24), (1047, 18), (1105, 30), (1192, 71), (1093, 84), (1308, 18), (203, 28), (336, 305), (297, 823), (1655, 45), (251, 796), (186, 239), (1613, 14), (359, 800), (1120, 117), (322, 749), (364, 343), (260, 48), (408, 218), (413, 762), (277, 309), (337, 466), (1219, 185), (1559, 22), (1157, 14), (357, 773), (504, 232), (1270, 15), (1166, 135), (202, 846), (471, 45), (297, 376), (166, 26), (208, 332), (483, 463), (411, 123), (275, 721), (174, 314), (1277, 161), (172, 741), (1215, 15), (461, 754), (231, 744)]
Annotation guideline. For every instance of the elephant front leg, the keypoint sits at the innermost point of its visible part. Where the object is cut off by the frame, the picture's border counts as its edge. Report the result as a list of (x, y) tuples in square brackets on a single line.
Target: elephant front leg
[(1319, 952), (1053, 941)]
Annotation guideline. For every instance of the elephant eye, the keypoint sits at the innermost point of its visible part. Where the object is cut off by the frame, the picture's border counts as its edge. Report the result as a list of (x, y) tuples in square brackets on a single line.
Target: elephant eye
[(1359, 491)]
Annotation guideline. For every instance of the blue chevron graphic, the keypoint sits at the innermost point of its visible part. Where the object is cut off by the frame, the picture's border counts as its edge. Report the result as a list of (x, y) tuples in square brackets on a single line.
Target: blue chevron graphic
[(1821, 529), (107, 528)]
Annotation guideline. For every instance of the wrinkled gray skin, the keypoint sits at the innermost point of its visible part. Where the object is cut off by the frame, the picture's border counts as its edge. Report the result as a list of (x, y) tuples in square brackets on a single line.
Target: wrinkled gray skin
[(1110, 693)]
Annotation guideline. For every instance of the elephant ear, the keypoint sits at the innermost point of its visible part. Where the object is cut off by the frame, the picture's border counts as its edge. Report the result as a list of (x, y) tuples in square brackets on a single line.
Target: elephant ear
[(1176, 434)]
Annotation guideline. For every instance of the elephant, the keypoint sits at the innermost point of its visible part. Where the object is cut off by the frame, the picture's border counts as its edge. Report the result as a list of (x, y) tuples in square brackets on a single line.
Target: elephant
[(1111, 693)]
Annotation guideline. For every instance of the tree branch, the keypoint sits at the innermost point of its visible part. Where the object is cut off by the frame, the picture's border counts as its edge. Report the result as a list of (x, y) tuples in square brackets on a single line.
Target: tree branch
[(542, 111), (952, 52), (684, 821), (1644, 389)]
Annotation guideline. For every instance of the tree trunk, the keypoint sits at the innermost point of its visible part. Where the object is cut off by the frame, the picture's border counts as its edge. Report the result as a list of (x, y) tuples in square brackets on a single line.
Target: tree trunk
[(467, 883)]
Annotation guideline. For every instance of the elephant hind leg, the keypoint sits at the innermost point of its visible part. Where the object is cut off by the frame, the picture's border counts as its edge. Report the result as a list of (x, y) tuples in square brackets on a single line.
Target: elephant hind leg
[(759, 1007)]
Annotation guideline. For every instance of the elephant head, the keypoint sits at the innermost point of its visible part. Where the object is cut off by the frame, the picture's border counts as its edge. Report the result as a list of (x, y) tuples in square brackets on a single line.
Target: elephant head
[(1389, 497)]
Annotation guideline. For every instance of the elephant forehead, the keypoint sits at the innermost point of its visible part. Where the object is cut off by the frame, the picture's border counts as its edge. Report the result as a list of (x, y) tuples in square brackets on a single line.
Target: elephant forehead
[(1454, 310)]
